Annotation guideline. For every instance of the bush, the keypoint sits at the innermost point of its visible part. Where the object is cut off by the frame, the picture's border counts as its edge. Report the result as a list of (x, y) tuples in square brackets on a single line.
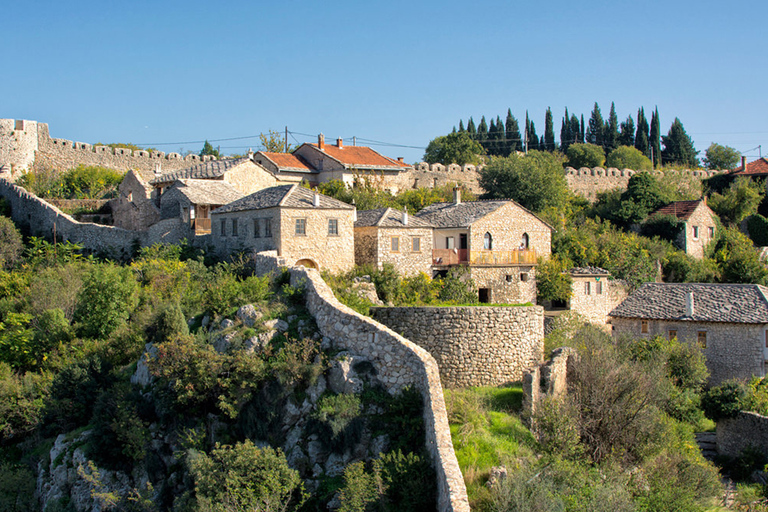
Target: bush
[(21, 402), (11, 245), (169, 323), (585, 155), (552, 281), (337, 420), (458, 287), (757, 226), (626, 157), (666, 227), (725, 400), (119, 435), (408, 481), (17, 488), (106, 300), (361, 489)]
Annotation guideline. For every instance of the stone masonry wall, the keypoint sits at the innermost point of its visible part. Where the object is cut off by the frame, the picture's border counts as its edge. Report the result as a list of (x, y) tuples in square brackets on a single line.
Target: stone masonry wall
[(549, 379), (473, 346), (594, 306), (746, 430), (506, 284), (398, 363), (407, 261), (704, 219)]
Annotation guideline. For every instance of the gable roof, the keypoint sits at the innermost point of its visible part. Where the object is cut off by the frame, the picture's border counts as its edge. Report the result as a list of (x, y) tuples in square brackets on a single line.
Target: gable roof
[(732, 303), (587, 272), (757, 167), (207, 191), (287, 161), (285, 196), (207, 170), (360, 157), (680, 209), (388, 218), (466, 213)]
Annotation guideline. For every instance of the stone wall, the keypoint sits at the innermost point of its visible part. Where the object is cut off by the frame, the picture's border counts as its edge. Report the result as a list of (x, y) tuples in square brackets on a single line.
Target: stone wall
[(549, 379), (473, 346), (746, 430), (705, 222), (398, 363), (602, 296), (506, 284)]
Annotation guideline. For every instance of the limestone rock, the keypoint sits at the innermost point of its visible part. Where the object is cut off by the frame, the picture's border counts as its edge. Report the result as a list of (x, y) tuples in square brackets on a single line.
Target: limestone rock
[(249, 315), (277, 324), (142, 377), (342, 378), (223, 341), (226, 324)]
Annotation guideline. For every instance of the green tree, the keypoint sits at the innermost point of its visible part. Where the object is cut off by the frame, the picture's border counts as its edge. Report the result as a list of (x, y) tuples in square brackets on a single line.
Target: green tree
[(108, 297), (738, 201), (654, 138), (585, 155), (11, 245), (273, 142), (457, 148), (626, 157), (627, 134), (482, 133), (536, 180), (549, 131), (719, 157), (738, 259), (596, 127), (512, 134), (611, 131), (565, 132), (678, 147), (552, 280), (643, 195), (208, 149), (471, 130), (642, 137)]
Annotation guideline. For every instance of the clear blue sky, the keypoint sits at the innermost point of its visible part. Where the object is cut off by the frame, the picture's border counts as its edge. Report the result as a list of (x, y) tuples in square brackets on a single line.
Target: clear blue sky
[(400, 72)]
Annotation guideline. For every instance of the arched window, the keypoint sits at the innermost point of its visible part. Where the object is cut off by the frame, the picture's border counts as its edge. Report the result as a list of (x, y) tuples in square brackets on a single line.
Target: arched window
[(487, 242), (524, 241)]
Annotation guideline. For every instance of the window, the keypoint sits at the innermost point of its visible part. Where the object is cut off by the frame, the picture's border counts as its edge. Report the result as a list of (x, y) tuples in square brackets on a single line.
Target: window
[(599, 288), (524, 242), (487, 242), (702, 339), (643, 326), (301, 227), (766, 339), (587, 288), (256, 228), (18, 125), (234, 227), (333, 227), (711, 231), (672, 334), (416, 244), (223, 227), (395, 241), (523, 276), (695, 232), (449, 243), (268, 228)]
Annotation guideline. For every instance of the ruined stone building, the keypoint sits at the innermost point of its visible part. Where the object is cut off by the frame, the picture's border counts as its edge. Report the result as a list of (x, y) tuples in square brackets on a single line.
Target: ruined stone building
[(699, 225), (594, 293)]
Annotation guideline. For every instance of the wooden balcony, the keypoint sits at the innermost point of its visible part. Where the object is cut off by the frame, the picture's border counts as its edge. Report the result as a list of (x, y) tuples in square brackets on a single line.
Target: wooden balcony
[(483, 257), (201, 226), (449, 256)]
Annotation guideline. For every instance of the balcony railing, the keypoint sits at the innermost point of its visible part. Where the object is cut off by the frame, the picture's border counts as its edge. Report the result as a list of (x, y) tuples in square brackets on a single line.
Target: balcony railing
[(483, 257), (201, 226), (449, 256)]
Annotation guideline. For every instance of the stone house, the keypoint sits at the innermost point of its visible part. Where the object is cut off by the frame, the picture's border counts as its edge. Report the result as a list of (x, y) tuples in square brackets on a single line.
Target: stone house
[(757, 168), (134, 208), (594, 293), (699, 224), (385, 235), (192, 201), (728, 321), (321, 162), (302, 226), (498, 240)]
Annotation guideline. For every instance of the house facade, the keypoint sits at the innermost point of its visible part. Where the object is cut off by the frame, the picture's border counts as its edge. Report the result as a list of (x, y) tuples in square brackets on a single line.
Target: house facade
[(594, 293), (699, 225), (499, 241), (192, 201), (304, 227), (386, 235), (728, 321)]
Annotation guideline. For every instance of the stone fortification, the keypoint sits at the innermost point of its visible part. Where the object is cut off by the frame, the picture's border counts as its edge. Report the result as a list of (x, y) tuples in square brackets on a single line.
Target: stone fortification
[(473, 346), (27, 145), (398, 363), (746, 430), (42, 219)]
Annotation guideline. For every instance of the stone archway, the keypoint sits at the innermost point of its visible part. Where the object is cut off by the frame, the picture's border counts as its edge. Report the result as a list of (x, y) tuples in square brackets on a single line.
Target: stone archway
[(308, 263)]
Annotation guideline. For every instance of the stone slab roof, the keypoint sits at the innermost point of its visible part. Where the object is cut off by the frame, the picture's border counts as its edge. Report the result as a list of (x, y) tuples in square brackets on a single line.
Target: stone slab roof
[(680, 209), (285, 196), (732, 303), (588, 271), (360, 156), (388, 218), (461, 215), (208, 191), (206, 171)]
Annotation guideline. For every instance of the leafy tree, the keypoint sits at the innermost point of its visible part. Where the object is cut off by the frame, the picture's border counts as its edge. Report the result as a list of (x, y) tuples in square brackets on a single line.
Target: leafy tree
[(655, 135), (552, 280), (11, 245), (536, 180), (611, 131), (108, 297), (738, 201), (627, 157), (457, 148), (596, 127), (678, 147), (273, 142), (549, 132), (642, 137), (643, 195), (585, 155), (512, 134), (627, 134), (208, 149), (581, 131), (719, 157), (735, 253)]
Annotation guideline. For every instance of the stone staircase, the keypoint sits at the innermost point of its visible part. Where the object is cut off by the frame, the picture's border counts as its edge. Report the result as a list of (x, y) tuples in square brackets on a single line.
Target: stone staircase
[(707, 442)]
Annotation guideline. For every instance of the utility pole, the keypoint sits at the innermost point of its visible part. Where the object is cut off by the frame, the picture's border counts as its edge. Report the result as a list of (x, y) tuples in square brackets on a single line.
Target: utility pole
[(286, 139)]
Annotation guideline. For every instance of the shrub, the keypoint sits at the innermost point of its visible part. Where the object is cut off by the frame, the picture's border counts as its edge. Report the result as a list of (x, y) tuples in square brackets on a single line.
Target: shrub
[(666, 227), (106, 300), (725, 400), (557, 428), (11, 245), (361, 489), (626, 157), (169, 323), (552, 280), (17, 488), (119, 435), (757, 226), (585, 155), (408, 481), (337, 419), (458, 287), (21, 402)]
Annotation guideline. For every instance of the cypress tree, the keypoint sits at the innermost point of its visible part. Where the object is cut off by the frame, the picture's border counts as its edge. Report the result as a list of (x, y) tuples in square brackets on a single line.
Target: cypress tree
[(527, 140), (565, 132), (627, 135), (471, 128), (611, 135), (482, 133), (655, 135), (501, 138), (535, 143), (641, 137), (549, 131), (581, 130), (678, 147), (514, 140), (574, 129), (461, 126), (596, 127)]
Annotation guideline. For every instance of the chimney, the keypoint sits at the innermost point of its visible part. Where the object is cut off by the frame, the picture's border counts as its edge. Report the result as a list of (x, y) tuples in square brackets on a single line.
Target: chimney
[(689, 306), (339, 143), (316, 200), (400, 159), (354, 215), (158, 169), (250, 154), (405, 217), (457, 195), (743, 163), (321, 142)]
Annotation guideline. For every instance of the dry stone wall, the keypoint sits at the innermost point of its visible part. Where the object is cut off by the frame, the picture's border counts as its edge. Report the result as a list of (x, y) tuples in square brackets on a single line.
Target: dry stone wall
[(473, 346), (398, 363), (746, 430)]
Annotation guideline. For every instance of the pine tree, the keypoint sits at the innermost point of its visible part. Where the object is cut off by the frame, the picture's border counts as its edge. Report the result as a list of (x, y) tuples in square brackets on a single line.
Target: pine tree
[(611, 134), (678, 147), (512, 129), (641, 137), (581, 130), (549, 131), (654, 138), (596, 128), (627, 135)]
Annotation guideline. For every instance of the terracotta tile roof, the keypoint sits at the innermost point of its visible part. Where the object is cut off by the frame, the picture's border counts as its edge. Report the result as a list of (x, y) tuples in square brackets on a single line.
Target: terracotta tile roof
[(287, 161), (286, 196), (680, 209), (360, 156), (207, 170), (758, 167), (388, 218), (733, 303)]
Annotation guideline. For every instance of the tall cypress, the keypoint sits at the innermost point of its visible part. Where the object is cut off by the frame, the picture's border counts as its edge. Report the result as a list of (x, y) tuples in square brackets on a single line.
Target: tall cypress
[(574, 129), (627, 134), (527, 132), (678, 147), (581, 130), (512, 129), (471, 130), (596, 127), (501, 138), (535, 143), (655, 136), (611, 135), (549, 131), (641, 137), (482, 133), (565, 132), (461, 126)]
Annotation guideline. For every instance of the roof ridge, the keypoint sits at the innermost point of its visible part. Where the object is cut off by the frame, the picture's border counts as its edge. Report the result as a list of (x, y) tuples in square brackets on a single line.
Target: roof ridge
[(287, 194), (383, 216)]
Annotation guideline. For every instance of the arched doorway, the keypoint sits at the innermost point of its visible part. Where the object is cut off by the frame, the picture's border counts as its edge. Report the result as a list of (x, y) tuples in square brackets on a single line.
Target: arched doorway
[(306, 262)]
